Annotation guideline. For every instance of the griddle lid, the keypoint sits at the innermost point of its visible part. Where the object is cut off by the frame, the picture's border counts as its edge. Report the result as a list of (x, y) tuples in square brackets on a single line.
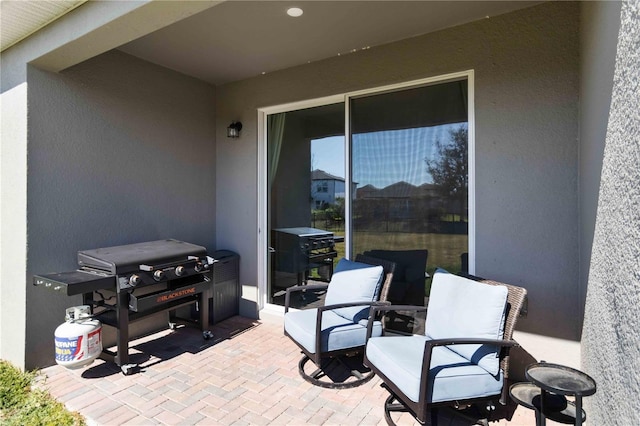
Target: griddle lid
[(128, 258)]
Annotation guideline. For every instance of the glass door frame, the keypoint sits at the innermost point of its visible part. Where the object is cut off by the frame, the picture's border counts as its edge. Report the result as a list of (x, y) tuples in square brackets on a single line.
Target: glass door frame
[(262, 207)]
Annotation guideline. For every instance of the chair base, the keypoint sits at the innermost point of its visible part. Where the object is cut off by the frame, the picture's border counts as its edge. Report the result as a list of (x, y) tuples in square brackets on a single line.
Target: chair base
[(338, 368), (392, 404)]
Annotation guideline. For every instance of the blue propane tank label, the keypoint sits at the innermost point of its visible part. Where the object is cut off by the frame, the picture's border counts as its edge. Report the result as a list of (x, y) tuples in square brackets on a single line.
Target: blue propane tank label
[(68, 348), (76, 348)]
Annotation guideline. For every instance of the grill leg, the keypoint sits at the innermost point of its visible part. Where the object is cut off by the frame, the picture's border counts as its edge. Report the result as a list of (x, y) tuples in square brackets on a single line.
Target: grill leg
[(87, 299), (122, 330), (204, 309)]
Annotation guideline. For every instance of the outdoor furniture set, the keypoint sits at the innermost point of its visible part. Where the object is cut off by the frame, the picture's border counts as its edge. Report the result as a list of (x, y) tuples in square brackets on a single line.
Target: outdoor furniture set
[(459, 357)]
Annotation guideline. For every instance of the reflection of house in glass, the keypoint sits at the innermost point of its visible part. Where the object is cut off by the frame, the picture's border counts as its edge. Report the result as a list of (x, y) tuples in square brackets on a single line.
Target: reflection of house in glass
[(325, 188), (417, 208)]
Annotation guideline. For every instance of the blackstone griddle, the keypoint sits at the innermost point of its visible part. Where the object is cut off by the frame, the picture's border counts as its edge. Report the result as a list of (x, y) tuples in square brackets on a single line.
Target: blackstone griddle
[(147, 278)]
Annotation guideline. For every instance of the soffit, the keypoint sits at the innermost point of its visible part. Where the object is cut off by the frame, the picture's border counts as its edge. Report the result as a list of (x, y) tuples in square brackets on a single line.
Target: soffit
[(20, 19), (236, 40)]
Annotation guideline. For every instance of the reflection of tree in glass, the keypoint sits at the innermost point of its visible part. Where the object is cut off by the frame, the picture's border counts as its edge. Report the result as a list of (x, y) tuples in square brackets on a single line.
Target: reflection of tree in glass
[(449, 169)]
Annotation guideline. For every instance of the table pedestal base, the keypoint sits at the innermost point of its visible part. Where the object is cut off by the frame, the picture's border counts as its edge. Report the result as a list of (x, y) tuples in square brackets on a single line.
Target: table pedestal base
[(557, 408)]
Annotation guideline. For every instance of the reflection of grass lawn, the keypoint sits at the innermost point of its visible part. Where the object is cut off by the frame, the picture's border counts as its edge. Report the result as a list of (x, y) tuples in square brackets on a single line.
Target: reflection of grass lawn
[(444, 249)]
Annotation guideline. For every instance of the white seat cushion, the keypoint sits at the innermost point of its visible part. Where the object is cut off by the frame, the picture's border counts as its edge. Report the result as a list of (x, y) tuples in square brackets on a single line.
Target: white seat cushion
[(460, 307), (452, 377), (337, 332)]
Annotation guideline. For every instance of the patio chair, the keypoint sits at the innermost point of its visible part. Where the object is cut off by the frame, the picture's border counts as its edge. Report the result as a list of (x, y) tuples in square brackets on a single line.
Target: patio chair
[(463, 356), (408, 285), (337, 329)]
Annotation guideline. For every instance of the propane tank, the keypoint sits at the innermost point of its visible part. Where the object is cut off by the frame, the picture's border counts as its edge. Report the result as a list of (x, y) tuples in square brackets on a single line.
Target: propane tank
[(79, 339)]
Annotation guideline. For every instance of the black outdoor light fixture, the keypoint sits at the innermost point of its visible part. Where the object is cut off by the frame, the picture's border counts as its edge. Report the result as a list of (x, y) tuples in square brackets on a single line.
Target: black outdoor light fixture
[(233, 131)]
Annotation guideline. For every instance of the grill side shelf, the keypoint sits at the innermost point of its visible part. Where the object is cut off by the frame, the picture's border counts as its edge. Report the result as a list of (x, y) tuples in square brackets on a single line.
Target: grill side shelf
[(75, 282)]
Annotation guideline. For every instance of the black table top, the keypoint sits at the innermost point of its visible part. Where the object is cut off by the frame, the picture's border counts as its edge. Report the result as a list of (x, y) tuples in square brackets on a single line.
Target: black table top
[(560, 379)]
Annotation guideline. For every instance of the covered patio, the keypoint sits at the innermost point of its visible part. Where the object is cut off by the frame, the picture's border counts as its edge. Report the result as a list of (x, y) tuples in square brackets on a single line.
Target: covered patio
[(246, 375), (109, 137)]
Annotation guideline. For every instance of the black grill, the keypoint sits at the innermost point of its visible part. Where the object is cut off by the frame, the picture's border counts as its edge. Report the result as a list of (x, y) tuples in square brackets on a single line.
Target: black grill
[(298, 250), (144, 279)]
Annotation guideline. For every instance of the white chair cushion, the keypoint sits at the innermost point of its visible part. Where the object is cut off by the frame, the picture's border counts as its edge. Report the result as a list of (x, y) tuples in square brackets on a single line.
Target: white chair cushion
[(460, 307), (452, 376), (337, 332), (354, 282)]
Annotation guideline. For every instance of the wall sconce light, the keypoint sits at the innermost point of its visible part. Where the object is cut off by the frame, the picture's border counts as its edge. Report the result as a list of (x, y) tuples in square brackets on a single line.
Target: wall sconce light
[(233, 131)]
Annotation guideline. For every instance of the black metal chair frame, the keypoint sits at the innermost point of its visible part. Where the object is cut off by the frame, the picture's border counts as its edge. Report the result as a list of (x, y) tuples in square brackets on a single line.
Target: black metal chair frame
[(422, 411), (319, 358)]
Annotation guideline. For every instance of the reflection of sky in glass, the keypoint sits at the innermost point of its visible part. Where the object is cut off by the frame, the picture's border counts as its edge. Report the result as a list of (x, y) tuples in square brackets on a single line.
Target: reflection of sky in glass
[(383, 158), (328, 154)]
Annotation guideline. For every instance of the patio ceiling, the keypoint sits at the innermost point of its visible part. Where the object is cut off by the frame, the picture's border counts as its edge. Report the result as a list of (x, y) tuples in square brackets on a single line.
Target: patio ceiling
[(240, 39), (237, 39)]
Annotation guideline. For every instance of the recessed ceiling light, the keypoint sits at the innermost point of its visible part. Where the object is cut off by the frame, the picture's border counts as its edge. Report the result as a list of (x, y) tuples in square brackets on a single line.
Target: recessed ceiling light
[(294, 12)]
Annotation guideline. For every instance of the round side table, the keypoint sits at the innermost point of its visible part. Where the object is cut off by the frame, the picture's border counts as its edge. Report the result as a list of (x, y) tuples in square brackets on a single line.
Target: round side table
[(550, 384), (557, 408)]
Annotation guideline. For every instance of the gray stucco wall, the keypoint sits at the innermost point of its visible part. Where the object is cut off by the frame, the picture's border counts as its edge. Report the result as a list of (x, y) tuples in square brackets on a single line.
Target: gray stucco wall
[(119, 151), (611, 336), (86, 32), (599, 24), (526, 101)]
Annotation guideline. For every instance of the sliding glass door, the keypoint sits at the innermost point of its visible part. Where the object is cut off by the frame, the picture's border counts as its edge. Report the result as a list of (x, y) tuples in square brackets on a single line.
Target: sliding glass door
[(409, 163), (306, 196), (395, 174)]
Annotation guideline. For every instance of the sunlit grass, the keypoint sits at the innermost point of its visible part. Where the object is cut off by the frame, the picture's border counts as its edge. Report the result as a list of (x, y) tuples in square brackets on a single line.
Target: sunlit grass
[(21, 404), (444, 249)]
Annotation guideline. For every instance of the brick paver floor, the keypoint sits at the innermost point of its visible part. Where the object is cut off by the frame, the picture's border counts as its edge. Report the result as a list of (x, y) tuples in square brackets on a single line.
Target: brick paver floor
[(246, 375)]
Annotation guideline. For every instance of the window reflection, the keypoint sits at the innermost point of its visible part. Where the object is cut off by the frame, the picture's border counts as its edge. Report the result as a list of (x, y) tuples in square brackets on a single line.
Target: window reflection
[(306, 203), (410, 162), (409, 182)]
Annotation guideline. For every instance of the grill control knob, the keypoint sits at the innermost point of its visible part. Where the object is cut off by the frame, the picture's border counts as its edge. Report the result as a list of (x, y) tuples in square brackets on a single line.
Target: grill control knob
[(199, 267), (135, 280), (158, 275), (180, 271)]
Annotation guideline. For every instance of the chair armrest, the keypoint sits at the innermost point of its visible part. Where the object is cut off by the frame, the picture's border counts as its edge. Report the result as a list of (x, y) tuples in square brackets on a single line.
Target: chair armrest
[(297, 288), (470, 341), (350, 305), (373, 313), (388, 307)]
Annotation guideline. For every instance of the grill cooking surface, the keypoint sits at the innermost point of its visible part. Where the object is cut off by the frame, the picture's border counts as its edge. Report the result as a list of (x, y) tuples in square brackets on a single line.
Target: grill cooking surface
[(128, 258), (305, 232)]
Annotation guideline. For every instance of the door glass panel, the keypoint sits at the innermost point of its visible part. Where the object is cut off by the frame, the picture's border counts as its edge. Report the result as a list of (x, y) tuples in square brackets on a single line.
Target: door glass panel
[(409, 168), (305, 168)]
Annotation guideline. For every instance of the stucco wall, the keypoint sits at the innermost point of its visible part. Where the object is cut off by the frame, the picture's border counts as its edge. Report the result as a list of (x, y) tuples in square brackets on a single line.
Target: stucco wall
[(611, 336), (13, 224), (119, 151), (599, 24), (526, 86)]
